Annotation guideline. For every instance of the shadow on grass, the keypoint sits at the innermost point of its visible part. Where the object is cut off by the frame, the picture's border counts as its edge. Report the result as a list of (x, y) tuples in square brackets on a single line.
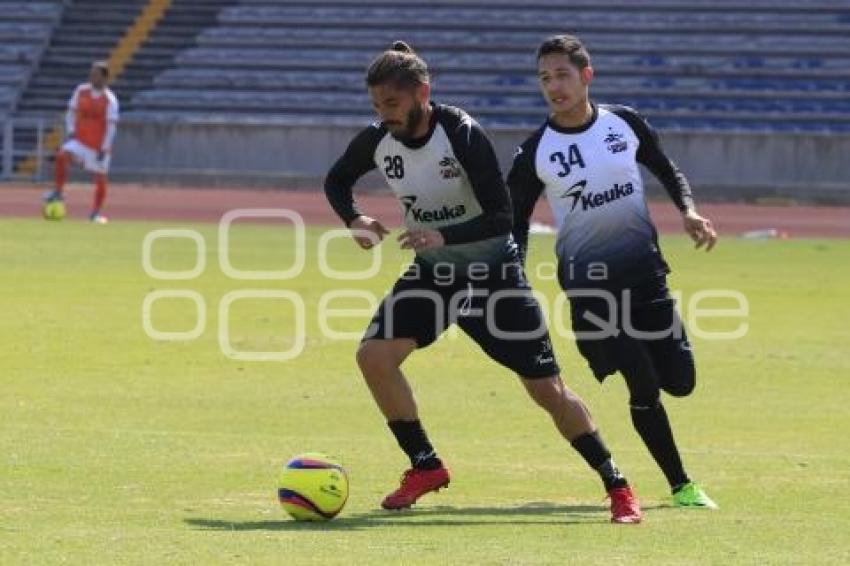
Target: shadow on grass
[(438, 516)]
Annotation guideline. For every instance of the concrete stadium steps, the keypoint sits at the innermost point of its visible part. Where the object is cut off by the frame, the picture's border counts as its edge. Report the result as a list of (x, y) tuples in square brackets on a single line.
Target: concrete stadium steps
[(12, 75), (7, 96), (801, 123), (36, 11), (352, 81), (24, 32), (17, 33), (449, 58), (671, 43), (71, 66), (512, 110), (271, 102), (27, 54), (89, 30), (755, 61), (771, 6), (536, 17), (63, 68), (219, 87), (510, 71)]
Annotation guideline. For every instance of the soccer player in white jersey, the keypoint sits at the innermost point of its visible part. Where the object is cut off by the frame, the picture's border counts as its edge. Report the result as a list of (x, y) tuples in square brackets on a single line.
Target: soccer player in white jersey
[(442, 168), (585, 158), (90, 126)]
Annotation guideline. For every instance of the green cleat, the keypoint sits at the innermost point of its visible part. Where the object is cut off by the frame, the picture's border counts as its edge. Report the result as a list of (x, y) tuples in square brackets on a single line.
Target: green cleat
[(692, 495)]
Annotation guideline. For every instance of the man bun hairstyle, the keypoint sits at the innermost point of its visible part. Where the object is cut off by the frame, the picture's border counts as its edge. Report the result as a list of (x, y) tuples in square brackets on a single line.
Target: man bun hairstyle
[(568, 45), (399, 66), (401, 47)]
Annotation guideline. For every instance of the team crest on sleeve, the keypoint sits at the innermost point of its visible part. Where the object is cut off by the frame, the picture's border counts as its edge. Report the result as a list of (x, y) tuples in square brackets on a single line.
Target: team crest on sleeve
[(616, 142), (449, 168)]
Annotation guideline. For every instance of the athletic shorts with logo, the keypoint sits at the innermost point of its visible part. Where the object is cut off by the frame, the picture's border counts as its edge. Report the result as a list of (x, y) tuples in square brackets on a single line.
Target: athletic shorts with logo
[(497, 310), (654, 337)]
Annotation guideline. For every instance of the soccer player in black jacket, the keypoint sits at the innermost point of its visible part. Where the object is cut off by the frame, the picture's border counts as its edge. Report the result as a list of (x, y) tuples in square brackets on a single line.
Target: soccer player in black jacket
[(585, 159)]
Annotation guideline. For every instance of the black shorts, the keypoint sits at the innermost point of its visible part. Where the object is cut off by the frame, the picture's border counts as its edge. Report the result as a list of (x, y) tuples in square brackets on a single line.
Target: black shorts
[(496, 309), (650, 310)]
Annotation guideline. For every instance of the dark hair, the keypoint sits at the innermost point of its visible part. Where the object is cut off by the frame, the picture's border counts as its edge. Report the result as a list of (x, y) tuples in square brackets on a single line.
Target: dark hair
[(399, 65), (103, 67), (568, 45)]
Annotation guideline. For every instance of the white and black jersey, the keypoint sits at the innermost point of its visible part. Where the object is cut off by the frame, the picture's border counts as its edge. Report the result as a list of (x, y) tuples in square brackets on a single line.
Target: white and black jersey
[(448, 180), (593, 184)]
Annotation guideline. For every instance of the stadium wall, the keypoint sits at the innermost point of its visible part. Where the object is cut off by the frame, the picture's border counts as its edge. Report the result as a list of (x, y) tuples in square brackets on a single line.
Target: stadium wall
[(721, 165)]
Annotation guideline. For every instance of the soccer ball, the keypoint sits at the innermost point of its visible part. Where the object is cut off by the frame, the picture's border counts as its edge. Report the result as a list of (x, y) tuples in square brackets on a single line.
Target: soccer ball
[(54, 210), (313, 487)]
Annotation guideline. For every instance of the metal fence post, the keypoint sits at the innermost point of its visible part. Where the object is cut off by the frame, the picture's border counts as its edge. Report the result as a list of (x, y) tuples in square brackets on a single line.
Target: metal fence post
[(39, 151), (8, 148)]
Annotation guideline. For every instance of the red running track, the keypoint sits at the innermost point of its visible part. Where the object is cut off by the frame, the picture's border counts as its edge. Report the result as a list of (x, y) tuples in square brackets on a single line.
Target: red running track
[(135, 202)]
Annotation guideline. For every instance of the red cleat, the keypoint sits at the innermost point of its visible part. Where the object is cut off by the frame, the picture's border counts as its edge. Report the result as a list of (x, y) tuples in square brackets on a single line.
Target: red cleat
[(624, 505), (414, 484)]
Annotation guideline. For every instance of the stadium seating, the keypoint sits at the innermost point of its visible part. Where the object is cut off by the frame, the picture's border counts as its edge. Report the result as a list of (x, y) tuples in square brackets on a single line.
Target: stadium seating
[(779, 65), (728, 64), (83, 32), (90, 29), (25, 28)]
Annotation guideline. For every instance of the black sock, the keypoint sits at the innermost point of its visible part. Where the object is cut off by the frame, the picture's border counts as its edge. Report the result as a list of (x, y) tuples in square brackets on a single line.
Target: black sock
[(654, 428), (413, 440), (594, 452)]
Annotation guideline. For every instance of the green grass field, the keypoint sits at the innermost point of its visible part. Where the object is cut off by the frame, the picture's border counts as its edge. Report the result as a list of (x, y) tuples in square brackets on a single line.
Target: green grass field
[(119, 449)]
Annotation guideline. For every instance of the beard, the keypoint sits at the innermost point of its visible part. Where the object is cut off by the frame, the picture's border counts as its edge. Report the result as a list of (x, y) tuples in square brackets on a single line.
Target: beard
[(411, 122)]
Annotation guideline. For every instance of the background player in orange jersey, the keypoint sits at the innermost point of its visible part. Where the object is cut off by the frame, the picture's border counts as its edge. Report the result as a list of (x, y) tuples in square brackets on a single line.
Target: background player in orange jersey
[(90, 124)]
